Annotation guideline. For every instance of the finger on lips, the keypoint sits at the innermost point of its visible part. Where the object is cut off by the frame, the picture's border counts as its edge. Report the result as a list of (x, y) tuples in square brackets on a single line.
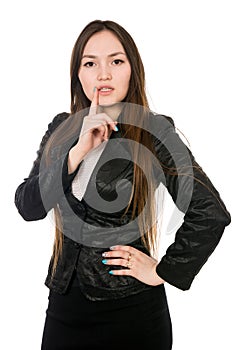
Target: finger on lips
[(94, 110), (94, 102)]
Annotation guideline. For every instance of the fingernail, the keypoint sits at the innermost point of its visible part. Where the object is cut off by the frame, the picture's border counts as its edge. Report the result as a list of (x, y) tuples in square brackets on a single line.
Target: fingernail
[(116, 128), (104, 254), (104, 261), (113, 247), (111, 272), (94, 89)]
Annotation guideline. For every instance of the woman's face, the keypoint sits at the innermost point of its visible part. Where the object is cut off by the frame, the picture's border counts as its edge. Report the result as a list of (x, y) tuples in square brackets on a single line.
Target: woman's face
[(104, 65)]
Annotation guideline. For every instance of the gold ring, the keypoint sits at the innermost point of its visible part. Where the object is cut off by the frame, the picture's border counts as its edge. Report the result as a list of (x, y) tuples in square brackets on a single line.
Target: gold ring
[(129, 257), (129, 264)]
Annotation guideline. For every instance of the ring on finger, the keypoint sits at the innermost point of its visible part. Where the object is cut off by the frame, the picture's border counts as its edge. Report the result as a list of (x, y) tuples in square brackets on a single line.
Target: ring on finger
[(129, 264)]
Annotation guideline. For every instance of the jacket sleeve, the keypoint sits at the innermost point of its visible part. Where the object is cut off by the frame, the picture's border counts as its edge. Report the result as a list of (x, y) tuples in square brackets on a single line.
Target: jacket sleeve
[(205, 215), (41, 190)]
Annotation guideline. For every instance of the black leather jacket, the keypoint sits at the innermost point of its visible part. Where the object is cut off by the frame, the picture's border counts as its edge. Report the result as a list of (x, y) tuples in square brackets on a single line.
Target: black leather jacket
[(88, 231)]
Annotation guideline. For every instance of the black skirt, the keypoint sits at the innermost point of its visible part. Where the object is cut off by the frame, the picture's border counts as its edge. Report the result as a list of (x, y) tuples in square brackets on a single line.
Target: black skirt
[(75, 322)]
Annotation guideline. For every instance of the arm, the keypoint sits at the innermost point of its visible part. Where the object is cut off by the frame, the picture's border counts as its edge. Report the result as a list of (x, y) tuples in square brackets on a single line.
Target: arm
[(41, 190), (205, 215)]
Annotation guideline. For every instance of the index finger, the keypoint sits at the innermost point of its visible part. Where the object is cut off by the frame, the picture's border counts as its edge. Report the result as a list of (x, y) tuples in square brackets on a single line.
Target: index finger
[(94, 102), (126, 248)]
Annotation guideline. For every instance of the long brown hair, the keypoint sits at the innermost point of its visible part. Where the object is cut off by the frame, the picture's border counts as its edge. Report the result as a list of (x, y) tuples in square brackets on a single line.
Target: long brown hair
[(136, 95)]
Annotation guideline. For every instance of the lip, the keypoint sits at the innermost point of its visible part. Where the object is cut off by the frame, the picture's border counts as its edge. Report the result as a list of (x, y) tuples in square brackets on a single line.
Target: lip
[(105, 93)]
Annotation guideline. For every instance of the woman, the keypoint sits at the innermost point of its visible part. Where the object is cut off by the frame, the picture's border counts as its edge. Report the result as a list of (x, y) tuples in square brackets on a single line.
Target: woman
[(106, 285)]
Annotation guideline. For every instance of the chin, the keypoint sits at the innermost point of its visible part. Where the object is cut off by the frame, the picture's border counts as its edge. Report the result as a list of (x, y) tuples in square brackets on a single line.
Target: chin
[(107, 102)]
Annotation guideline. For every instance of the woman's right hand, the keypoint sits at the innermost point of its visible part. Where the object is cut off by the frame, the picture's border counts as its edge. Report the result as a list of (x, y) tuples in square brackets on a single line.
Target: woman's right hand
[(96, 128)]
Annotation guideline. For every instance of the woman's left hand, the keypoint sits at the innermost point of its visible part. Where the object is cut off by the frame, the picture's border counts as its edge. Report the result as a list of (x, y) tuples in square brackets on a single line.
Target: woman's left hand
[(138, 264)]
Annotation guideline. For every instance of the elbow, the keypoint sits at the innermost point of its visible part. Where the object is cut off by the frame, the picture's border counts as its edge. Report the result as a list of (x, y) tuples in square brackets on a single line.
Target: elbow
[(31, 215), (28, 209), (224, 219), (28, 212), (228, 219)]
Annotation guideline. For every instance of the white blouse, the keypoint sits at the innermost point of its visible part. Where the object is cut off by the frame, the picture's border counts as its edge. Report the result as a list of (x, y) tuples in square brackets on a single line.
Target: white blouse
[(80, 182)]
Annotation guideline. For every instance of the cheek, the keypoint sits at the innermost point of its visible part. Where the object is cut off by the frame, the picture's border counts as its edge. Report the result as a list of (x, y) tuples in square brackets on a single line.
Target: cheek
[(125, 79), (127, 75), (87, 84)]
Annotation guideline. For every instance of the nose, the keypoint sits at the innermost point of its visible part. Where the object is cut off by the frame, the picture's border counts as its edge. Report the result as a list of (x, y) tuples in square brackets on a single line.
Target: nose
[(104, 73)]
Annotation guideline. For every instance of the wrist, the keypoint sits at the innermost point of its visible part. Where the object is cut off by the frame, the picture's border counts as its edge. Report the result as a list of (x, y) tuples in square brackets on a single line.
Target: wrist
[(158, 279), (74, 158)]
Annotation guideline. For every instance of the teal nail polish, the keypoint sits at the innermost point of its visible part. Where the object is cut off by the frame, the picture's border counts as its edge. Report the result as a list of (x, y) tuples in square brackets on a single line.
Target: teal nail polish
[(104, 261), (111, 272), (116, 128), (94, 89)]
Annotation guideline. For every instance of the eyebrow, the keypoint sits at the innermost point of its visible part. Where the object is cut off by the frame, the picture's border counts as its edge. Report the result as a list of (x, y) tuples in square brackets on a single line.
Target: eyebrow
[(111, 55)]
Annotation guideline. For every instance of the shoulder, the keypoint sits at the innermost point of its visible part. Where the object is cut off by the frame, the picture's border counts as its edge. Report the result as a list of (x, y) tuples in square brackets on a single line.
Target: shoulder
[(161, 126), (162, 119), (52, 126), (57, 120)]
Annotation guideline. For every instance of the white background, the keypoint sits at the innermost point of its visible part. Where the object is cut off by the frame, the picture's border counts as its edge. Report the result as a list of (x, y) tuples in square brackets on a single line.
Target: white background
[(186, 47)]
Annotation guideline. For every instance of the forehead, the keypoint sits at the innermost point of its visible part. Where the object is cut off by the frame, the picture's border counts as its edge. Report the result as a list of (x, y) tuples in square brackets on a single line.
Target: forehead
[(102, 43)]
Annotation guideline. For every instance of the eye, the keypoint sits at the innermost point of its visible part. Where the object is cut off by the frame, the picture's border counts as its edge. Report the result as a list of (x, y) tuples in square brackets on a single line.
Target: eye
[(89, 64), (117, 62)]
